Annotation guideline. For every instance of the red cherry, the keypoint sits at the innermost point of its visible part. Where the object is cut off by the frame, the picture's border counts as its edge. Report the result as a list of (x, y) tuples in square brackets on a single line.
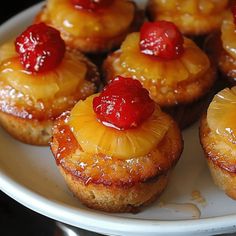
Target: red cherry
[(123, 104), (91, 4), (233, 10), (41, 48), (161, 39)]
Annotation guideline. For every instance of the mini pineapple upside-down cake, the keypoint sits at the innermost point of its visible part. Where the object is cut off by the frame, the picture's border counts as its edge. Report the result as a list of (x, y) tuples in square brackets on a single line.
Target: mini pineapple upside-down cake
[(40, 79), (92, 26), (193, 17), (116, 149), (221, 46), (218, 138), (178, 75)]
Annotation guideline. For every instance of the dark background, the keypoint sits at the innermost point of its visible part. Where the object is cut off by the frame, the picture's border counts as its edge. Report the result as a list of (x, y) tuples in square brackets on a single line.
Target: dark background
[(10, 8), (16, 219)]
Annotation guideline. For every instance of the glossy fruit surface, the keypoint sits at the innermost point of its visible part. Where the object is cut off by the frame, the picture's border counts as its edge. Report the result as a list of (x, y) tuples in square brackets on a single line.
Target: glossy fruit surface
[(123, 104), (228, 35), (106, 22), (96, 138), (91, 5), (40, 47), (161, 39), (64, 80), (221, 114), (192, 64)]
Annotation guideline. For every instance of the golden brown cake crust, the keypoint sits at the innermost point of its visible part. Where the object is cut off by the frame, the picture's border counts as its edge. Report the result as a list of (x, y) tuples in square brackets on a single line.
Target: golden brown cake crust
[(113, 198), (29, 131), (22, 119), (94, 44), (222, 166), (114, 190)]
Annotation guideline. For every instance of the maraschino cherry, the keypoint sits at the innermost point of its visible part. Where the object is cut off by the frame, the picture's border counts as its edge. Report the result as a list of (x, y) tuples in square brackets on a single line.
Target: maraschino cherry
[(91, 5), (161, 39), (40, 47), (123, 104)]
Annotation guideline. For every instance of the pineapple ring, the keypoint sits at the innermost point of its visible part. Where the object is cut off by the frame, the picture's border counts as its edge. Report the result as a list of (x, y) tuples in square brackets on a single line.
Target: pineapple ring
[(95, 138), (193, 17), (107, 23), (228, 34), (63, 80), (190, 65), (221, 114), (191, 6)]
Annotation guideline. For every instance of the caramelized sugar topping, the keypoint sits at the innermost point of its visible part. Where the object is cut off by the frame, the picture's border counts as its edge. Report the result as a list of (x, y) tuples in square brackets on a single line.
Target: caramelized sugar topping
[(228, 34), (191, 64), (103, 169), (221, 114), (113, 142), (44, 95), (195, 7), (105, 23), (63, 80), (65, 140)]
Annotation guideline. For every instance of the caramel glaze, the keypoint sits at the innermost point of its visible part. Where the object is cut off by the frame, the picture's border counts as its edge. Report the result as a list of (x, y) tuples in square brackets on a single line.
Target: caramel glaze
[(93, 44), (208, 141), (49, 110), (195, 21), (226, 63), (111, 171), (184, 92)]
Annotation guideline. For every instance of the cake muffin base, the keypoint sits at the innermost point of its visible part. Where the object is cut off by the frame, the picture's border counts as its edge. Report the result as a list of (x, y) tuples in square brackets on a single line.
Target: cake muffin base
[(222, 171), (114, 198), (29, 131), (225, 180)]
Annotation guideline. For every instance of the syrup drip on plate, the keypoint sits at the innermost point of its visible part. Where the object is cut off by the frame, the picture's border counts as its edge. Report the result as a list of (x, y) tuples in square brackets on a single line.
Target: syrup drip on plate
[(198, 198), (189, 208)]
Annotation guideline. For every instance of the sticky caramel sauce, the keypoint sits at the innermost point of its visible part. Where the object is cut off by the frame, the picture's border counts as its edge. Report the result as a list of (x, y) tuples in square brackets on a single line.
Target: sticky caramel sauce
[(17, 104), (23, 106), (65, 143), (105, 22), (107, 170)]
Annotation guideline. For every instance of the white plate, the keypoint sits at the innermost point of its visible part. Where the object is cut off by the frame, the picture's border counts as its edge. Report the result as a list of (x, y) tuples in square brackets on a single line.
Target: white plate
[(30, 176)]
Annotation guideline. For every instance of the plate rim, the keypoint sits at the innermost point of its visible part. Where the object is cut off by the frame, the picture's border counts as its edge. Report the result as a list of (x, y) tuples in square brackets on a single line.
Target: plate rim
[(37, 203), (114, 223)]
